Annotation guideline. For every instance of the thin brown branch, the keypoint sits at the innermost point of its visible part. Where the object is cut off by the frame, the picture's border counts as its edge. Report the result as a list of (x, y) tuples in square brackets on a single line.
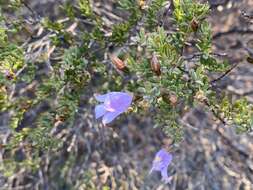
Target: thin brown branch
[(29, 8), (225, 74)]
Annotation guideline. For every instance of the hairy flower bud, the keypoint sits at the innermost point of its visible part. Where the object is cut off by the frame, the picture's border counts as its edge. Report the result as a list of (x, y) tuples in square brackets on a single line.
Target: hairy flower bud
[(200, 96), (118, 63), (194, 25), (155, 65), (185, 77), (173, 100), (169, 97), (9, 75), (142, 4)]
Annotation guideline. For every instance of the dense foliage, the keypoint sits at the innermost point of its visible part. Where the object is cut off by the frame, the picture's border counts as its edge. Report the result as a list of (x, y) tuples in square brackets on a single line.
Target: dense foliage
[(169, 70)]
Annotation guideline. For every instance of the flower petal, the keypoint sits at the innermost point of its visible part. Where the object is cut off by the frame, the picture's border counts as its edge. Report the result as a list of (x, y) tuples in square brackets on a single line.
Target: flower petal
[(101, 98), (118, 101), (165, 177), (162, 160), (99, 111), (109, 116)]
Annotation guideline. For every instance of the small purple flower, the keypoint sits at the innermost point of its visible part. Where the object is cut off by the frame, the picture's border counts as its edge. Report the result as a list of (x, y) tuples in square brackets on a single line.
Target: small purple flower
[(113, 104), (160, 163)]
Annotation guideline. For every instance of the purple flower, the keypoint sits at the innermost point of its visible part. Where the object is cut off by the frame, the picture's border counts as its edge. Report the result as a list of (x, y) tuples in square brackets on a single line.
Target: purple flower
[(113, 104), (160, 163)]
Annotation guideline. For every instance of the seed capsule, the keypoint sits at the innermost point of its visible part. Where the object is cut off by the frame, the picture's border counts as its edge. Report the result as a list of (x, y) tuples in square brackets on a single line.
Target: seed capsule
[(155, 65), (194, 25)]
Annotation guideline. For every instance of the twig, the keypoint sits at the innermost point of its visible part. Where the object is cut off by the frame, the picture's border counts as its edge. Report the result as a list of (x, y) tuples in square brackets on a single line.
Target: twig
[(225, 74), (29, 8), (219, 54), (200, 54), (188, 125), (249, 50), (232, 31), (21, 70)]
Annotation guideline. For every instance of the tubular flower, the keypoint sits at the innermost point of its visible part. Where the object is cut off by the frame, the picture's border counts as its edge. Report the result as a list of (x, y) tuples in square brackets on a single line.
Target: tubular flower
[(113, 104), (160, 163)]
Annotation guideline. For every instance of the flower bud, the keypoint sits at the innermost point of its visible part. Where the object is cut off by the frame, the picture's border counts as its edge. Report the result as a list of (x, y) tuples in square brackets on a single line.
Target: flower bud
[(142, 4), (200, 96), (173, 100), (118, 63), (169, 97), (155, 65), (9, 75), (194, 25), (59, 118), (185, 77)]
